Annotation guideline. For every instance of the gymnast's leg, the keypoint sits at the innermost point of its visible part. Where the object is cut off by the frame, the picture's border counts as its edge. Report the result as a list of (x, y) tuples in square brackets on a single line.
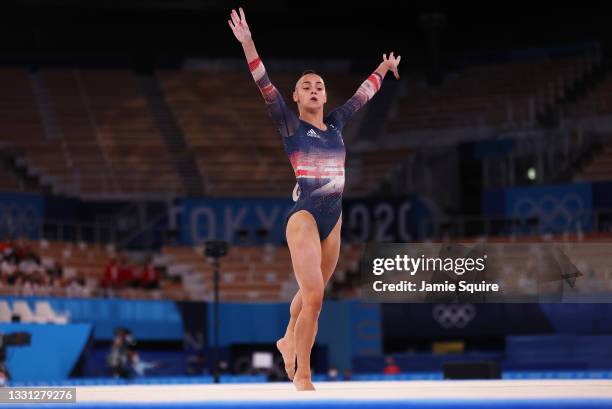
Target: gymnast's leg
[(305, 249), (330, 250)]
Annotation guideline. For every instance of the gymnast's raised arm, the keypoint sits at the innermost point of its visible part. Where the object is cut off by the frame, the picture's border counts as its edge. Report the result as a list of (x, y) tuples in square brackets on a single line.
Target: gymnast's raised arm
[(285, 119), (367, 89)]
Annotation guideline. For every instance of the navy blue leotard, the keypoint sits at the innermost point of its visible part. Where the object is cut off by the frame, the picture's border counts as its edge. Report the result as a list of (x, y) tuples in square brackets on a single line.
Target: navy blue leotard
[(317, 155)]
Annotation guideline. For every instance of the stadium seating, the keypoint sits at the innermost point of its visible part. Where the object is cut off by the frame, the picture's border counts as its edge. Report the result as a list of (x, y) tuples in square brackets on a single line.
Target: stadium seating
[(22, 128), (87, 132), (367, 171), (248, 273), (597, 102), (599, 168), (251, 274), (91, 132), (511, 93), (108, 132)]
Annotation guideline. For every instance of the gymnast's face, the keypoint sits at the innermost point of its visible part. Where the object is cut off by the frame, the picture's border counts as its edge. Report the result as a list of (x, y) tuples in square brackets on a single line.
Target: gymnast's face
[(310, 92)]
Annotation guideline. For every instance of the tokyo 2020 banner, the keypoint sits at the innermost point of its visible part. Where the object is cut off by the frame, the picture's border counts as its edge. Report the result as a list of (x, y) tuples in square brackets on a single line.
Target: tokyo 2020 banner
[(396, 219)]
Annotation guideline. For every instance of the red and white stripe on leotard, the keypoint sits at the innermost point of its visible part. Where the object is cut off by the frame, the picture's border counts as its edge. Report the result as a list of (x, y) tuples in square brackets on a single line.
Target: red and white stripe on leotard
[(371, 85), (311, 167), (258, 71)]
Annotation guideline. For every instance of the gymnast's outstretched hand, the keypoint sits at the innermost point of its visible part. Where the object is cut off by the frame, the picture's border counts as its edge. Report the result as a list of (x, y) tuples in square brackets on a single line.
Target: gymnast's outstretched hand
[(391, 63), (239, 26)]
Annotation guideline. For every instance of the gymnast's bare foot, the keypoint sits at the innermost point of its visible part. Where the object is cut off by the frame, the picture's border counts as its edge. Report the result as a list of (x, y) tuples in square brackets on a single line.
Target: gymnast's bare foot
[(302, 381), (287, 350)]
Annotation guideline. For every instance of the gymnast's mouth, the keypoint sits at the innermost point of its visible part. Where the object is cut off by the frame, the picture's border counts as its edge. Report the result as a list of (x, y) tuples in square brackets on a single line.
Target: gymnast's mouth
[(314, 99)]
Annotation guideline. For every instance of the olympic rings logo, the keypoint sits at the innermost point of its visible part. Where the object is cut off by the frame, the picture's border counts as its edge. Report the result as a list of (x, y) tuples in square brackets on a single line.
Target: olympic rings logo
[(553, 212), (454, 315)]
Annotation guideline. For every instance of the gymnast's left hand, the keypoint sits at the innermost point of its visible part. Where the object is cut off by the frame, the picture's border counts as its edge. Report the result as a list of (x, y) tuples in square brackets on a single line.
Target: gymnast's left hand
[(391, 63)]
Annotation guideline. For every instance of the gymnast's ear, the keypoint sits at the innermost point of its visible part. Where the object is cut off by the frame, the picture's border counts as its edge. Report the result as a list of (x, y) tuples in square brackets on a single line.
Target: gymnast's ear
[(295, 96)]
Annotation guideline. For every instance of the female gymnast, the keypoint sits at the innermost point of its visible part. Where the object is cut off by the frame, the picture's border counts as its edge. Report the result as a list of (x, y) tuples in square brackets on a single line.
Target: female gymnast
[(316, 151)]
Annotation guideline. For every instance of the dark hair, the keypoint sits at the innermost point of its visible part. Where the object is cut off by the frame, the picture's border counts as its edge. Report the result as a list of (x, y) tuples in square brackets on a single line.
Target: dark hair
[(305, 72), (309, 72)]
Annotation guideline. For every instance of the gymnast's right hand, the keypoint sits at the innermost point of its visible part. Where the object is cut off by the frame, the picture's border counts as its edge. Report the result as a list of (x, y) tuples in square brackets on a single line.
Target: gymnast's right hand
[(239, 26)]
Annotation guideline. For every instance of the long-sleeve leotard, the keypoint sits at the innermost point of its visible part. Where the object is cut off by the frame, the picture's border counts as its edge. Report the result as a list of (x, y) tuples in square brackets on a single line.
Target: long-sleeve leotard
[(287, 121), (317, 155)]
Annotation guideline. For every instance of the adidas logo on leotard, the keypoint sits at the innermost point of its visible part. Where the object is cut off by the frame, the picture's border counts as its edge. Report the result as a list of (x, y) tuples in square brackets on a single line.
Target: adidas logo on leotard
[(313, 134)]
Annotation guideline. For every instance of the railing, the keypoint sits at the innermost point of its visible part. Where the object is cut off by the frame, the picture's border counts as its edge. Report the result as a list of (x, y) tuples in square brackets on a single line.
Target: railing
[(87, 104)]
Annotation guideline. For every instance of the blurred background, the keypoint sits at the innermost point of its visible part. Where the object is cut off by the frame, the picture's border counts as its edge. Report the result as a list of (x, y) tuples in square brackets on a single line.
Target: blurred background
[(131, 132)]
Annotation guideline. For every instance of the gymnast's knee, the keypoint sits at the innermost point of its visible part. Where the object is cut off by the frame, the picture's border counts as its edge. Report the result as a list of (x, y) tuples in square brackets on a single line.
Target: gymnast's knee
[(312, 300)]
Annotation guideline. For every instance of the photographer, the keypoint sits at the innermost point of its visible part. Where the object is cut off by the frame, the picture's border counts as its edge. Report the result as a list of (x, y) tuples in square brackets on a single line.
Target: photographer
[(123, 359), (120, 358)]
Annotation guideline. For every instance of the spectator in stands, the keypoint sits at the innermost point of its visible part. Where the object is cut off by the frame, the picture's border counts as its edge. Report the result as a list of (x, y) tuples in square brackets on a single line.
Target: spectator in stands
[(111, 274), (29, 274), (76, 286), (391, 368), (30, 287), (126, 273), (22, 269), (56, 273), (8, 270), (23, 251), (5, 245), (149, 278), (16, 252), (29, 268), (8, 252)]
